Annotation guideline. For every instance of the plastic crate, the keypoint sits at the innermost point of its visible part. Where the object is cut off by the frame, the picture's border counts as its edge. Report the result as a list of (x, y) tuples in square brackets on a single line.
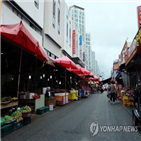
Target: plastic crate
[(131, 99), (125, 103), (72, 96), (6, 129), (27, 120), (40, 111), (17, 125), (125, 98), (25, 115), (130, 103), (76, 94), (46, 108)]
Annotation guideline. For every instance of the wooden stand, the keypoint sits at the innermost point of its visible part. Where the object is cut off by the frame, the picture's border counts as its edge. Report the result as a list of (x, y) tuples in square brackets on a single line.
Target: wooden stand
[(11, 104)]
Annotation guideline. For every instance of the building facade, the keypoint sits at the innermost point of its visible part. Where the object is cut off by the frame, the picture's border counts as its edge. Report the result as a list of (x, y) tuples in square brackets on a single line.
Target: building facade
[(17, 10), (54, 28), (97, 70), (93, 62), (78, 15), (88, 52)]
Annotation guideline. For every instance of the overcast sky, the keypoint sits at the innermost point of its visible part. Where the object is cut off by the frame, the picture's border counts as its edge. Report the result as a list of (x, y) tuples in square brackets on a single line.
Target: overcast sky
[(110, 24)]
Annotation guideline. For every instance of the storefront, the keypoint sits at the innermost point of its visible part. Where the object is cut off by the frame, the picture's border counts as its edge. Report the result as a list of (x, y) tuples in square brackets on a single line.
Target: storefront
[(22, 55)]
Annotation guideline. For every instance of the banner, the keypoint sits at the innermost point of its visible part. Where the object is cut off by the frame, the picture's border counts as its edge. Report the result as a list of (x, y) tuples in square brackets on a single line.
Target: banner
[(139, 15), (73, 42), (80, 43)]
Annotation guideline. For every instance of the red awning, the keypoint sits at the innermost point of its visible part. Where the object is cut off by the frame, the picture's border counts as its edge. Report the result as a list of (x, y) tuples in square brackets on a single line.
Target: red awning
[(77, 71), (19, 34), (85, 71), (66, 62)]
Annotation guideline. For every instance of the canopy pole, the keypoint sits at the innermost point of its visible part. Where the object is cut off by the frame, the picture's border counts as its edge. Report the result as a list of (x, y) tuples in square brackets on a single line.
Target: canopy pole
[(19, 71), (65, 84)]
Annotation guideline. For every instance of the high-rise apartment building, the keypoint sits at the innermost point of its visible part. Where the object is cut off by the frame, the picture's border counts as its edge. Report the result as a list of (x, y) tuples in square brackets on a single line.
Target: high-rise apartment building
[(88, 52), (93, 62), (78, 15)]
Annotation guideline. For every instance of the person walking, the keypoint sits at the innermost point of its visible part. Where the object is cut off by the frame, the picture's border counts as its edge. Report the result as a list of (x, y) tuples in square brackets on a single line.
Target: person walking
[(109, 91), (117, 92), (113, 91)]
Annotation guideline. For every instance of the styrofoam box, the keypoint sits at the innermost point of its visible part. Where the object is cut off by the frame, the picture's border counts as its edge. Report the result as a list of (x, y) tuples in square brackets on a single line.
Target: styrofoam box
[(59, 94), (23, 96), (29, 95)]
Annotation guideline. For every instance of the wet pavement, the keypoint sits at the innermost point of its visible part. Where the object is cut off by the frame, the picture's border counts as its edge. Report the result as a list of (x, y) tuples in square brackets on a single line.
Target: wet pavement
[(72, 123)]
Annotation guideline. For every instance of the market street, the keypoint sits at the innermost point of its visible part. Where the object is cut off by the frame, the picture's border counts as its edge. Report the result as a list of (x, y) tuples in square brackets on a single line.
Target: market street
[(72, 122)]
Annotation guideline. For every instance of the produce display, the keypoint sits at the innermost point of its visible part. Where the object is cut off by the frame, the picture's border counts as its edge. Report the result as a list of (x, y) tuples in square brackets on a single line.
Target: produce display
[(25, 109), (4, 99), (17, 115), (7, 118), (36, 96)]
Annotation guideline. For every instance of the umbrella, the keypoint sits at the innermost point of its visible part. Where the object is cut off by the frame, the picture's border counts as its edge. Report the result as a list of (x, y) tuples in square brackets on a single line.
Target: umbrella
[(66, 62)]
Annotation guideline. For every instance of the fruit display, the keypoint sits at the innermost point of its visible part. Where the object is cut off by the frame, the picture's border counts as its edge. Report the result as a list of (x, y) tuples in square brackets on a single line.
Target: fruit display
[(7, 118), (4, 99), (26, 109), (36, 96), (14, 98), (17, 115)]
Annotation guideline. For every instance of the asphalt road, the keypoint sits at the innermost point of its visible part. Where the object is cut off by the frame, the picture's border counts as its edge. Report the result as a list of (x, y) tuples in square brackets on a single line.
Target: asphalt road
[(72, 123)]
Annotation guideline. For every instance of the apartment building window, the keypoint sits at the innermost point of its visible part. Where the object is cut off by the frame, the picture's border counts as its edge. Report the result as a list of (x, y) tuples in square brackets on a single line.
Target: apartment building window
[(80, 21), (58, 16), (79, 25), (67, 28), (76, 20), (76, 16), (76, 11), (80, 17), (76, 24), (36, 3), (58, 4), (80, 13), (53, 18)]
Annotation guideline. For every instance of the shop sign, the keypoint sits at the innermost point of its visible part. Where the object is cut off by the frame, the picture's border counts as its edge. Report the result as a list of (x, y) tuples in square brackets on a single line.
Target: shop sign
[(139, 15), (73, 42)]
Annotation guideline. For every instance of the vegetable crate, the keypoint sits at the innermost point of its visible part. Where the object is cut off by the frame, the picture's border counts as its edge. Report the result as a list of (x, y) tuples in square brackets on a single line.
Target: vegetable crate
[(130, 103), (27, 120), (6, 129), (125, 98), (125, 103), (131, 99), (17, 125)]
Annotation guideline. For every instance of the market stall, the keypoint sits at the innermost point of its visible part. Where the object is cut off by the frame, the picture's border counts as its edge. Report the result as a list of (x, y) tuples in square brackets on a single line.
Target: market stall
[(22, 54)]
